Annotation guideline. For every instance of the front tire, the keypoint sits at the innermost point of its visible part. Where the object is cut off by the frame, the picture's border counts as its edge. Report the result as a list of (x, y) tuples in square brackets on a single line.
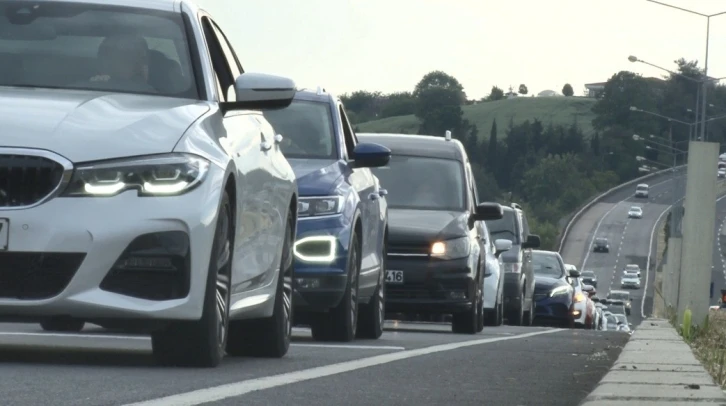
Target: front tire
[(269, 337), (372, 315), (341, 323), (468, 322), (201, 343)]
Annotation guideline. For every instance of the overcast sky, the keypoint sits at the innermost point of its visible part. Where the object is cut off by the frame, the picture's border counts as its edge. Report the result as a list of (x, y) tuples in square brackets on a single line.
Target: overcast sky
[(388, 45)]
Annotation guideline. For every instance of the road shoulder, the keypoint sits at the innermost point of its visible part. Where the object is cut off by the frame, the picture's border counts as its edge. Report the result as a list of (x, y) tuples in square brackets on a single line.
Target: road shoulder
[(656, 367)]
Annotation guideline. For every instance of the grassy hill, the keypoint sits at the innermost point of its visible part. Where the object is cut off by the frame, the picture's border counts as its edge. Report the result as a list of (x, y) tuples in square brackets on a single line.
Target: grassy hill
[(555, 110)]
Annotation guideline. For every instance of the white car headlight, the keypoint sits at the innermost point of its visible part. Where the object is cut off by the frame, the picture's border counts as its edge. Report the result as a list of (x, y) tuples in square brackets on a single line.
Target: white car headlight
[(319, 206), (154, 175), (451, 249), (561, 291)]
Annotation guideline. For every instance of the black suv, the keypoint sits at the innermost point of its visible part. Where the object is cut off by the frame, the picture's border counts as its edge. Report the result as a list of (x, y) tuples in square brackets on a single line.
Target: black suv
[(601, 245), (589, 278), (517, 264), (438, 246)]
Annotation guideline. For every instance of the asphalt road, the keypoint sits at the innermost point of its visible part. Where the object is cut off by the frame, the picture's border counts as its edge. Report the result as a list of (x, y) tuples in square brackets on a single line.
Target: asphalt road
[(411, 364), (718, 273), (629, 238)]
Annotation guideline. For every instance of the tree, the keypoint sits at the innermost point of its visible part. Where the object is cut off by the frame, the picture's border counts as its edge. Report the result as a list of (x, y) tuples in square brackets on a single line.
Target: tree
[(438, 104), (398, 104), (523, 89), (495, 94), (567, 90), (622, 91), (492, 150)]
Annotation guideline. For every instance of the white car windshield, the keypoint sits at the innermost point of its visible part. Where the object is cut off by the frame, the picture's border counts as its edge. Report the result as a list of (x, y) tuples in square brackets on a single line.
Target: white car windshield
[(71, 45)]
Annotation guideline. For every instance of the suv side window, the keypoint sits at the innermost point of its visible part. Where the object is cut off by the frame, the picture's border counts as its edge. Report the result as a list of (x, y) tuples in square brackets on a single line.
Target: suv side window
[(525, 226), (350, 139)]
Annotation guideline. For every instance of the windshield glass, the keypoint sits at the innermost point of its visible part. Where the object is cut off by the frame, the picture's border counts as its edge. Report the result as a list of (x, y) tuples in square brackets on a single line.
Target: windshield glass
[(601, 241), (632, 267), (618, 296), (616, 309), (547, 265), (423, 183), (505, 227), (621, 318), (611, 319), (64, 45), (306, 128), (641, 188), (588, 274)]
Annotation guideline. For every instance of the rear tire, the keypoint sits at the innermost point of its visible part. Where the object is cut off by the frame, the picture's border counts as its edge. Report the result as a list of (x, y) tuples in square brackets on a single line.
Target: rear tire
[(529, 314), (515, 317), (341, 323), (269, 337), (201, 343)]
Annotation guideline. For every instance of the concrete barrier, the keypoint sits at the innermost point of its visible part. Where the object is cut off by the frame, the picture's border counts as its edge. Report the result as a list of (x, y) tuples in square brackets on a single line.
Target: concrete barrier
[(574, 218)]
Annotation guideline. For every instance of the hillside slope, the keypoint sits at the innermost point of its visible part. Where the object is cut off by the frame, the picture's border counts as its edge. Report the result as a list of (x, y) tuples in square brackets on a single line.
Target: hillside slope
[(556, 110)]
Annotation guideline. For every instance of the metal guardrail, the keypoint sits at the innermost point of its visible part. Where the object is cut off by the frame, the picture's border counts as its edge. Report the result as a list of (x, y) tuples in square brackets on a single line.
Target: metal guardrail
[(563, 236)]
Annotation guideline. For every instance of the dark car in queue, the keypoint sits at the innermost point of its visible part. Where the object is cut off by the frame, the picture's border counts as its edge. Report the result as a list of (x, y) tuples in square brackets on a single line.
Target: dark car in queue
[(339, 249), (517, 264), (552, 291), (437, 247), (589, 278)]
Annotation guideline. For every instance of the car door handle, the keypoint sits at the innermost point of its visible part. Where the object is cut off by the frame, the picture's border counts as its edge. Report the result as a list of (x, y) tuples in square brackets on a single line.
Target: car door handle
[(382, 192), (374, 196)]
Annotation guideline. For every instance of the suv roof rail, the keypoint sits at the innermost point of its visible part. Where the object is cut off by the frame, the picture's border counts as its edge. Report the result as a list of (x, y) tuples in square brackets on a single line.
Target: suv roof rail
[(447, 135), (516, 206)]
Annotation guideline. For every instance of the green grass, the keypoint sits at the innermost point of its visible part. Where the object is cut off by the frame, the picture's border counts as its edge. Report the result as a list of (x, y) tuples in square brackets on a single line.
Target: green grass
[(556, 110)]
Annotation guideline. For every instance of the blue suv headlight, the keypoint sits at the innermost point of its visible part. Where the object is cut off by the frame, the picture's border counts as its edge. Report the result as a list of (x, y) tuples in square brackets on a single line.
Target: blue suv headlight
[(319, 206)]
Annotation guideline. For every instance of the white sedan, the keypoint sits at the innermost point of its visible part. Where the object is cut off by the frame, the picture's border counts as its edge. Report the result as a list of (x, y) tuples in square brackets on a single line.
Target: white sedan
[(635, 212), (140, 193)]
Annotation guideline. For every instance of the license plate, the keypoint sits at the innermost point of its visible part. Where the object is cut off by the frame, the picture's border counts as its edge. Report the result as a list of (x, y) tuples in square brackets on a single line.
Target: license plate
[(394, 276), (4, 234)]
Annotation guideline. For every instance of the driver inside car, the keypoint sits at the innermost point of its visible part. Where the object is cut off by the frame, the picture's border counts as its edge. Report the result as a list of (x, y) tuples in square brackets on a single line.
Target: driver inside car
[(124, 61)]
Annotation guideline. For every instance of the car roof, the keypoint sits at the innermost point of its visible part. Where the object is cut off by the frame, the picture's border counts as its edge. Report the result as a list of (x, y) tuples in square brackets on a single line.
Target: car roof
[(164, 5), (320, 95), (619, 291), (428, 146), (642, 184)]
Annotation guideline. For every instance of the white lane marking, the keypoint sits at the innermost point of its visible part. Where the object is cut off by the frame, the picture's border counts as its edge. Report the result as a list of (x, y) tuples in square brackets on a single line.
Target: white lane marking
[(235, 389), (147, 338), (604, 216), (354, 347)]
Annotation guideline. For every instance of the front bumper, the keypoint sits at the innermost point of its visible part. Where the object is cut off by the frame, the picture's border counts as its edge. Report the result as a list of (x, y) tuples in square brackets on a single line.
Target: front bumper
[(630, 286), (553, 309), (579, 312), (601, 249), (320, 285), (431, 285), (63, 256)]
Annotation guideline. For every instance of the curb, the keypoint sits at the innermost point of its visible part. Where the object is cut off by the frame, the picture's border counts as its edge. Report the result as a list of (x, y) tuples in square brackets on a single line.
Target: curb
[(575, 217), (656, 367)]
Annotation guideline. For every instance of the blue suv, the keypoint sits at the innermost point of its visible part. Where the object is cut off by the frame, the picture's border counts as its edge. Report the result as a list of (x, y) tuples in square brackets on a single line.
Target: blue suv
[(339, 288)]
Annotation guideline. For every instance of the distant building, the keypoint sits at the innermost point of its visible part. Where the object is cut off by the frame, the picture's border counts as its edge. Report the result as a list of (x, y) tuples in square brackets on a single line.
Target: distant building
[(595, 90), (511, 93), (548, 93)]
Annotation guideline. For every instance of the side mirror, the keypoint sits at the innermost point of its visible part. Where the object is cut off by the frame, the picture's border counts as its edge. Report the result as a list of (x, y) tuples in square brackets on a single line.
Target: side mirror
[(630, 325), (532, 242), (370, 155), (488, 211), (501, 245), (574, 273), (258, 91)]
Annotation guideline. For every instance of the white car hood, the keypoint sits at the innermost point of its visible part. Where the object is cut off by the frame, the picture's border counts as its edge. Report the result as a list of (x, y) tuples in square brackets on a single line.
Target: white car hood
[(88, 125)]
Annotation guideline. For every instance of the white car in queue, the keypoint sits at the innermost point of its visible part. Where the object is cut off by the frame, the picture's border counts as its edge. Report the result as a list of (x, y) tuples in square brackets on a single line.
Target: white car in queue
[(635, 212), (144, 189)]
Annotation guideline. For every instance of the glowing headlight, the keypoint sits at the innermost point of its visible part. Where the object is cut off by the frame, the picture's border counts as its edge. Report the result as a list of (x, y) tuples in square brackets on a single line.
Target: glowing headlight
[(579, 297), (156, 175), (451, 249), (316, 249), (560, 291), (319, 206)]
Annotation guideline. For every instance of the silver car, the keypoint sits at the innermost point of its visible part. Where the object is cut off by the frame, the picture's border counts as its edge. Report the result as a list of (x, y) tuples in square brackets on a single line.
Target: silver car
[(143, 191)]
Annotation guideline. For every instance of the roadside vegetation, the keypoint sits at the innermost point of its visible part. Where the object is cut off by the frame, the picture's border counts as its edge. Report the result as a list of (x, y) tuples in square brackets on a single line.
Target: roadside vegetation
[(708, 342), (550, 154)]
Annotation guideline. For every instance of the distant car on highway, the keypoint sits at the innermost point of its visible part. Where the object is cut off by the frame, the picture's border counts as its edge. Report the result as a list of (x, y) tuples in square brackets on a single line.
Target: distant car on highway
[(721, 173), (632, 268), (629, 281), (617, 307), (341, 236), (589, 278), (617, 296), (519, 278), (601, 245), (438, 248), (553, 293), (641, 190), (622, 323), (635, 212), (158, 196)]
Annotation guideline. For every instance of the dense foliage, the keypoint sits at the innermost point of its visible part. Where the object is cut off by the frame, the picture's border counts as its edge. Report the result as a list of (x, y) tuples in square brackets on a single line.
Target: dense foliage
[(553, 170)]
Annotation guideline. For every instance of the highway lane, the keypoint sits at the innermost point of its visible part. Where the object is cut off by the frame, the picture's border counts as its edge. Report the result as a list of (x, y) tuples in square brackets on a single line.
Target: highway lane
[(718, 273), (629, 239), (99, 368)]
